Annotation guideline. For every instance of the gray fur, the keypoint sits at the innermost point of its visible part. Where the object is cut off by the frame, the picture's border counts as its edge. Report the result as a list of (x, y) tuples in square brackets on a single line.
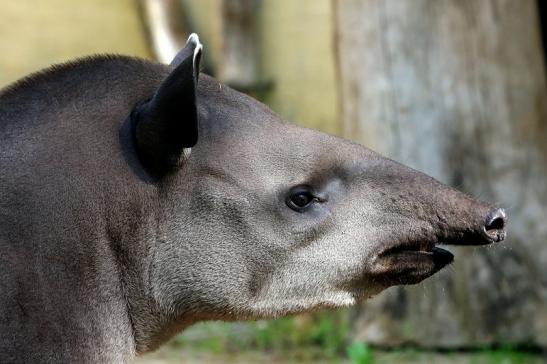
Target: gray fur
[(104, 257)]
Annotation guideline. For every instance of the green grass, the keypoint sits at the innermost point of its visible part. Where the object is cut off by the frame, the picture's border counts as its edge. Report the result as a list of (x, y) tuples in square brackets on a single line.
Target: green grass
[(506, 355), (324, 337), (360, 353), (326, 330)]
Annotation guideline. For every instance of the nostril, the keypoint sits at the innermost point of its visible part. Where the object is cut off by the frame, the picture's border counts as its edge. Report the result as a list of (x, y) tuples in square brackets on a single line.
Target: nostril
[(494, 226)]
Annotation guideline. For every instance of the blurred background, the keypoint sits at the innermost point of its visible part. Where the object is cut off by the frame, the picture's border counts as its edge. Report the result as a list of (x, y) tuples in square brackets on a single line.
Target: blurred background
[(454, 88)]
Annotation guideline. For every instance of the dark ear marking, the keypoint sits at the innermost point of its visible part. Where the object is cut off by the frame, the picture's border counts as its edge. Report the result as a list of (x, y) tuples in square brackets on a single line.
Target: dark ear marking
[(168, 123)]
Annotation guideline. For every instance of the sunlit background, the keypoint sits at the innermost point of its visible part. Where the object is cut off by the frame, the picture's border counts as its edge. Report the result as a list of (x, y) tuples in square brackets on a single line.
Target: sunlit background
[(455, 88)]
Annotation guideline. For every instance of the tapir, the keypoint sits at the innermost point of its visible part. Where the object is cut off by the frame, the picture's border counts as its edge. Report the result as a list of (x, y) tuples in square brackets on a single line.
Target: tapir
[(138, 198)]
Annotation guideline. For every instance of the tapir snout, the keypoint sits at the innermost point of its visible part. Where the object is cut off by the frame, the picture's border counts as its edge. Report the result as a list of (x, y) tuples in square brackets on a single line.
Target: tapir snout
[(406, 215), (419, 257)]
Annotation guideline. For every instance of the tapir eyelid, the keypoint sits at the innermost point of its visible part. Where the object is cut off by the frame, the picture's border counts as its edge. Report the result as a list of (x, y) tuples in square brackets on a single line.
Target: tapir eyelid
[(300, 198)]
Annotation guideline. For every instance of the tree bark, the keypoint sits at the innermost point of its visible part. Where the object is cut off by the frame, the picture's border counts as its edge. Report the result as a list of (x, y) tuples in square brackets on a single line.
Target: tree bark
[(456, 88)]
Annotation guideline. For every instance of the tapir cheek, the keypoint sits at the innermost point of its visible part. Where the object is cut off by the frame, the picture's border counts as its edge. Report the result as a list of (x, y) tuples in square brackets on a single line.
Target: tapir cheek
[(313, 221)]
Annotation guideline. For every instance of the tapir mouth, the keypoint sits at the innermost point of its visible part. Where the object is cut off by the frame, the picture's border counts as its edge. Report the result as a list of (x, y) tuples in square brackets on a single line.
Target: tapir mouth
[(422, 250), (411, 262)]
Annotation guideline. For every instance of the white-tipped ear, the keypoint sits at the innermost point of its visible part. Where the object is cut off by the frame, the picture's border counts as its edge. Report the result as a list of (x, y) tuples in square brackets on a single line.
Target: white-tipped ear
[(193, 39), (192, 48)]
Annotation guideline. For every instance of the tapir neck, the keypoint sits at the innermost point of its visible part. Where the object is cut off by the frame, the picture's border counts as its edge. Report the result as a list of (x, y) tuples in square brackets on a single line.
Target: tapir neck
[(134, 236)]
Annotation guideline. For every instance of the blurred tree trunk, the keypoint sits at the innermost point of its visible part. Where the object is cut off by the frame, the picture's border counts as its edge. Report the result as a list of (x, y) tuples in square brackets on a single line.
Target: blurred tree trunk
[(239, 66), (167, 28), (456, 88)]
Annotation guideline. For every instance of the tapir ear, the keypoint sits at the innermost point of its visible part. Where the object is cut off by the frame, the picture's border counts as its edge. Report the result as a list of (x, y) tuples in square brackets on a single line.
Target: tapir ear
[(168, 122)]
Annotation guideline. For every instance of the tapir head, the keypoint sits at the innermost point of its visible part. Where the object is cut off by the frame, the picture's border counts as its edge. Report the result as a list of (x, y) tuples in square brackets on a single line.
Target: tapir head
[(261, 218)]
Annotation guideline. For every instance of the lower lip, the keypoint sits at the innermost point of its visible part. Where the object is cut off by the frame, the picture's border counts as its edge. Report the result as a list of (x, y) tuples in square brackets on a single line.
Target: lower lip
[(440, 257), (410, 266)]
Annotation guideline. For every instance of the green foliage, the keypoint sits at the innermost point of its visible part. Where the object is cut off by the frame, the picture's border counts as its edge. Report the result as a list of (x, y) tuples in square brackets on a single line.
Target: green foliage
[(211, 337), (276, 335), (323, 337), (507, 355), (360, 353), (324, 332)]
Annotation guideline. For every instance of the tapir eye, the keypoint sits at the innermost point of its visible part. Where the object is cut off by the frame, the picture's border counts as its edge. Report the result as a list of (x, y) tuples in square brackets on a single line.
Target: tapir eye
[(299, 198)]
